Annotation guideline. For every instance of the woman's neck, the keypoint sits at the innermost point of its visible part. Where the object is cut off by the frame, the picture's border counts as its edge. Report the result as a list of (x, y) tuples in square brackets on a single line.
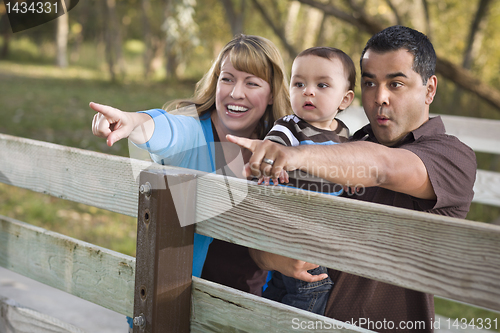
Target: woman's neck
[(223, 131)]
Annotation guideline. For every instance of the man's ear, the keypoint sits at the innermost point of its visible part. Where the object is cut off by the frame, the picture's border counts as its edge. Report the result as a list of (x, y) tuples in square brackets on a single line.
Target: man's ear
[(431, 89), (347, 100)]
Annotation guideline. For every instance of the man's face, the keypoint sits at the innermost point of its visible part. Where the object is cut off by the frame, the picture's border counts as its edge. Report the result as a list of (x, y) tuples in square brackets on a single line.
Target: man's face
[(395, 100)]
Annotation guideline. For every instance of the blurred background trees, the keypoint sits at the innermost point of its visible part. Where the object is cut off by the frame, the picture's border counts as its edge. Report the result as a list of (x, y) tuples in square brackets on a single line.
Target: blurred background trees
[(178, 38)]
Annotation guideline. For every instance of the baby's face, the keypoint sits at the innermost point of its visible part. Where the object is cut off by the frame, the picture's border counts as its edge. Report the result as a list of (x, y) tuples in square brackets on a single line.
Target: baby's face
[(318, 87)]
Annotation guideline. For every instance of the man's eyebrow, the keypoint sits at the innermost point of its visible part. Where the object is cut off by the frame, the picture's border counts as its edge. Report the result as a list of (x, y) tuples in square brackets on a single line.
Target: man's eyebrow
[(388, 76), (394, 75)]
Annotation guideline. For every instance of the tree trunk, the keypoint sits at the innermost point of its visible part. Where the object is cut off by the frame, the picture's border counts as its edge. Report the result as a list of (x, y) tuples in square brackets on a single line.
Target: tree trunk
[(5, 31), (170, 54), (310, 32), (235, 17), (293, 12), (279, 31), (395, 12), (62, 41), (112, 40), (466, 80), (320, 36), (473, 45), (476, 34), (428, 27), (146, 28)]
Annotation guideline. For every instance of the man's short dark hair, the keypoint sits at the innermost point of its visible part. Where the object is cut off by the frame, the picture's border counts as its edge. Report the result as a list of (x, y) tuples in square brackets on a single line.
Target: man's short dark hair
[(399, 37)]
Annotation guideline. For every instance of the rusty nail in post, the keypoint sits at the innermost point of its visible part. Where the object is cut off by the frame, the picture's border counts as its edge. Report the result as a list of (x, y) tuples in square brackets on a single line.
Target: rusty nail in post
[(145, 189), (140, 321)]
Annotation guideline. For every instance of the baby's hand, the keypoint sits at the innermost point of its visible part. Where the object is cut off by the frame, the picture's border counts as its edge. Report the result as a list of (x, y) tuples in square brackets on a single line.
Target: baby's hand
[(283, 178), (264, 180)]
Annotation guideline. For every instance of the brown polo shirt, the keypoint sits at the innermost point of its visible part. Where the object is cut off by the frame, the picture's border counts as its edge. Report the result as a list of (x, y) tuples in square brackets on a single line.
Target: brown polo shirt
[(451, 166)]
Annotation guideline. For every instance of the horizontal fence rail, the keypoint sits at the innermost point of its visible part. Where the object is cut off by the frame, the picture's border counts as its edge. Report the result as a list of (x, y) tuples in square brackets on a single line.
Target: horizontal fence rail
[(479, 134), (88, 271), (13, 316), (216, 307)]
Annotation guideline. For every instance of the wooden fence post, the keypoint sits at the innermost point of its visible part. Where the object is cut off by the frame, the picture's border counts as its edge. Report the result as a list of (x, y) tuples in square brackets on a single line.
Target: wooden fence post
[(162, 297)]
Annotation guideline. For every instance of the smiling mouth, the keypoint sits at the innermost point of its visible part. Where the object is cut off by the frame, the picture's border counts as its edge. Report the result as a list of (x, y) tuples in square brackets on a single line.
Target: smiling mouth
[(236, 109)]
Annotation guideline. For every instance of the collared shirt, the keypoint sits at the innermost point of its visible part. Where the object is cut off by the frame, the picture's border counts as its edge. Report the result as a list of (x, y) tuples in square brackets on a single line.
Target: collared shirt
[(451, 166)]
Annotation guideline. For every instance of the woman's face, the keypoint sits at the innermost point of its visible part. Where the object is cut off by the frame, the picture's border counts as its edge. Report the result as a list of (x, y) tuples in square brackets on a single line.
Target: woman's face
[(241, 99)]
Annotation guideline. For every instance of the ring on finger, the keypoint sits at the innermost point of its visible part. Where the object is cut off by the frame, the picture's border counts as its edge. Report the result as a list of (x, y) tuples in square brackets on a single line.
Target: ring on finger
[(268, 161)]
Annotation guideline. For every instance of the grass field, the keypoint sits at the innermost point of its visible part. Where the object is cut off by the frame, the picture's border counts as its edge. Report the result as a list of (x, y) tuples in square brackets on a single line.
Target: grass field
[(45, 103)]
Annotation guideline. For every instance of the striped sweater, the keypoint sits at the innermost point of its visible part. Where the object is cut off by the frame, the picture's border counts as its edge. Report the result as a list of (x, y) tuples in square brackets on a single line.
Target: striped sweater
[(293, 131)]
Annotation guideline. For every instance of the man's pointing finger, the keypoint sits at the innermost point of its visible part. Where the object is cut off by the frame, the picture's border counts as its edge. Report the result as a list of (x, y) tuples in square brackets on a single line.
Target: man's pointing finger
[(243, 142)]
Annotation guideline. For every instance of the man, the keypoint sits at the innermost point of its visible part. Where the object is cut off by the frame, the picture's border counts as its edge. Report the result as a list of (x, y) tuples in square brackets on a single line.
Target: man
[(418, 167)]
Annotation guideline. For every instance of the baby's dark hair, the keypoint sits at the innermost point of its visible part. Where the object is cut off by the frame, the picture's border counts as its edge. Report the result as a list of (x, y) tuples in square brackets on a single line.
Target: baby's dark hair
[(333, 53), (400, 37)]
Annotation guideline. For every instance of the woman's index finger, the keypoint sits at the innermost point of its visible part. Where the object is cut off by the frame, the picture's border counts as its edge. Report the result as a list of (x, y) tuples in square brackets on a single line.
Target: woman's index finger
[(101, 108)]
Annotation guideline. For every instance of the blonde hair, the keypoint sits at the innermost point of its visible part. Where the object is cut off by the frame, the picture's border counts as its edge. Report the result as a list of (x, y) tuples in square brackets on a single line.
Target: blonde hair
[(251, 54)]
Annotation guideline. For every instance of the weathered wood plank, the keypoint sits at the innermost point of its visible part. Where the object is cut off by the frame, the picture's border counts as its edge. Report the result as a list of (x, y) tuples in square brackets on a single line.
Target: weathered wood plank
[(15, 318), (479, 134), (93, 273), (221, 309), (487, 188), (95, 179), (449, 257)]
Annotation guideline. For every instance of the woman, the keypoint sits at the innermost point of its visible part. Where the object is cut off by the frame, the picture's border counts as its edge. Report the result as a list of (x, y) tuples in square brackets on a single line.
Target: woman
[(242, 94)]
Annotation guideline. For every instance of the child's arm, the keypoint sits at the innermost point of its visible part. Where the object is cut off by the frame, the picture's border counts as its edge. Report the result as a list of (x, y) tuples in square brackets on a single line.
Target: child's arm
[(297, 269)]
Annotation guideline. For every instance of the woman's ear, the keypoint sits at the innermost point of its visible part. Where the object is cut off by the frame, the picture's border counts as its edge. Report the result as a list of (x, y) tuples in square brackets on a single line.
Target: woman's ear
[(270, 102), (347, 100)]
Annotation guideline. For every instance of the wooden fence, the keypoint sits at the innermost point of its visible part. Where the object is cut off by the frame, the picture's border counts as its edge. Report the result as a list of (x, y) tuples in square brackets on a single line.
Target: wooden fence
[(448, 257)]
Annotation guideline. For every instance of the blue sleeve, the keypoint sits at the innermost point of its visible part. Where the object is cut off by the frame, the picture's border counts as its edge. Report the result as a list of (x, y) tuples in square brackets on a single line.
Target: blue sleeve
[(178, 140)]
